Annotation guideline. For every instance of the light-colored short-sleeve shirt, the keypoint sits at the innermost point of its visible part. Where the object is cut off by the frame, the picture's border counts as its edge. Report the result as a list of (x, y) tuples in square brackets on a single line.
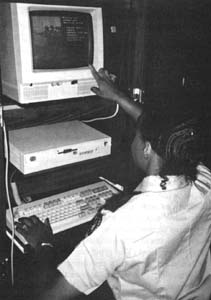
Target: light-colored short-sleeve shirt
[(156, 246)]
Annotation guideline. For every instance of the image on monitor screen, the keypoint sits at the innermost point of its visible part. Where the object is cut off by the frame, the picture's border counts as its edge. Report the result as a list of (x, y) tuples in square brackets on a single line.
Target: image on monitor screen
[(61, 39)]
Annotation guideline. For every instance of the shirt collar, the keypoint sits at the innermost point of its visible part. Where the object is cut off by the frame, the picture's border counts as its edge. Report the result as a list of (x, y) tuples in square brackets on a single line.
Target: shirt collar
[(152, 183)]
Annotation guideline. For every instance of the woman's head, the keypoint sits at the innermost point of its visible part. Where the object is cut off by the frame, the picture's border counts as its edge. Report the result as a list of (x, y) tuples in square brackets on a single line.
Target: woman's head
[(176, 144)]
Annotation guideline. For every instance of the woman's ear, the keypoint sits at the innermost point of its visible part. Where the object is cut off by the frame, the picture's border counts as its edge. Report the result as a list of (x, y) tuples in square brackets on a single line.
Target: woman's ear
[(147, 150)]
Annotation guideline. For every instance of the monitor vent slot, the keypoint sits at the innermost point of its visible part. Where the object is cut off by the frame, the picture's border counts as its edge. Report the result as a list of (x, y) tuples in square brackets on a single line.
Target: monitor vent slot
[(85, 86), (35, 93)]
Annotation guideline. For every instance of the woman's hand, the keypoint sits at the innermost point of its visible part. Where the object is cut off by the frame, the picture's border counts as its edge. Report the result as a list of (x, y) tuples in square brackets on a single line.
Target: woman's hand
[(106, 86), (108, 90), (34, 231)]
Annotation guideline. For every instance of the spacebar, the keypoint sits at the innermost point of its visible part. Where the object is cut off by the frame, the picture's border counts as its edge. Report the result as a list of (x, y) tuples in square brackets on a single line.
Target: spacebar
[(70, 223)]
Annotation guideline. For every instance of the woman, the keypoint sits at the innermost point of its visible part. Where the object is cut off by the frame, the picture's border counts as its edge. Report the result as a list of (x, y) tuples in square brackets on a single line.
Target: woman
[(156, 246)]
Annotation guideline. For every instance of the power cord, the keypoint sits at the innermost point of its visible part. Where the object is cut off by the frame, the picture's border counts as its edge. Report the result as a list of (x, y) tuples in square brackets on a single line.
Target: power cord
[(6, 150), (103, 118)]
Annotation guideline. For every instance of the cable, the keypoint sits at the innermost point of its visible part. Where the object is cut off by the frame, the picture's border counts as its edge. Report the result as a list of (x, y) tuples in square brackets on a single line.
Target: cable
[(14, 189), (103, 118), (63, 117), (15, 193), (6, 149), (12, 175)]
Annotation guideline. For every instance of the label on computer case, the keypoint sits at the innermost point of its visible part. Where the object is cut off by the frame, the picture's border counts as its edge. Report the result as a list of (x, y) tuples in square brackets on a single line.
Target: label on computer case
[(65, 155)]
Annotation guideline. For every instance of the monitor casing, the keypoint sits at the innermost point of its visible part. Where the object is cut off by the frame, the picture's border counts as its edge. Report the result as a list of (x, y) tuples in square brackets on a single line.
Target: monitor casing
[(20, 81)]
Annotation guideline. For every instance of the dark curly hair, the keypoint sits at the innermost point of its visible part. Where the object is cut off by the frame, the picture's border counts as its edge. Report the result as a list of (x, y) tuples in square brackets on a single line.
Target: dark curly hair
[(179, 144)]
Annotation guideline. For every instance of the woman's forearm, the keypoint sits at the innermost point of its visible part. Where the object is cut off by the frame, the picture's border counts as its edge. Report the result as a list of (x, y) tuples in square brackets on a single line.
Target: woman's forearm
[(133, 109)]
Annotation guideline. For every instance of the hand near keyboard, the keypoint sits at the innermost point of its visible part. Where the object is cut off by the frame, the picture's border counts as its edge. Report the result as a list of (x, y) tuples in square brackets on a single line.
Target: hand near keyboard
[(35, 231)]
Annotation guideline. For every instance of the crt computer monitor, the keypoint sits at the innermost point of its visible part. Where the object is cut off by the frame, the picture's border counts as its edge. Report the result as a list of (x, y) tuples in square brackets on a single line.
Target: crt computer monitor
[(46, 50)]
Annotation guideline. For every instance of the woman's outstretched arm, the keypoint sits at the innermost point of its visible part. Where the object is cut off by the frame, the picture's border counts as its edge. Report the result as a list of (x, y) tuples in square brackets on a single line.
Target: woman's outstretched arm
[(108, 90)]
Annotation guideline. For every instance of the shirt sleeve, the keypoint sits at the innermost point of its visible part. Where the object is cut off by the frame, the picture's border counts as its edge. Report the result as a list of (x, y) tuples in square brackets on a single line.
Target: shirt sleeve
[(95, 259), (203, 180)]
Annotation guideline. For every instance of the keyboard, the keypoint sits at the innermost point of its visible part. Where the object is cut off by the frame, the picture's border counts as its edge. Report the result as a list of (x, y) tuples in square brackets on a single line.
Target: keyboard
[(64, 210)]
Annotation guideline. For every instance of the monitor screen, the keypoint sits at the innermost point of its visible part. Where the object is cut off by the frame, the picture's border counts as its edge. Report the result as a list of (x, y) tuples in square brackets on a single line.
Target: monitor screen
[(61, 39)]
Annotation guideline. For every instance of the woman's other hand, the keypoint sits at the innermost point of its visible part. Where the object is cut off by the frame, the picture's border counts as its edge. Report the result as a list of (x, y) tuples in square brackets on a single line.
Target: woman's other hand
[(35, 231)]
